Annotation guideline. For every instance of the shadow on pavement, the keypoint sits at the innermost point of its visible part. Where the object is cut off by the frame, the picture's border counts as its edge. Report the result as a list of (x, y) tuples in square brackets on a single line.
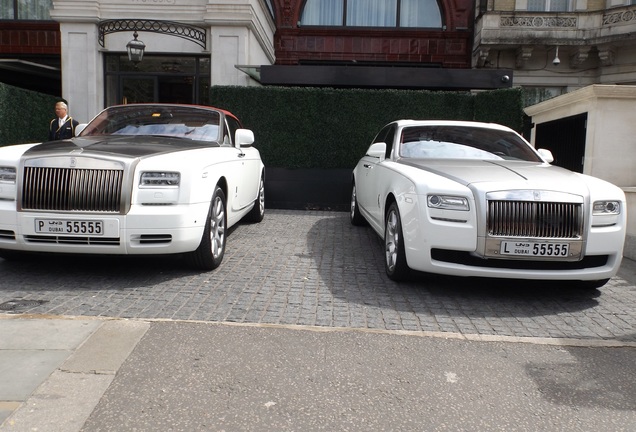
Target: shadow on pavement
[(41, 272), (593, 377), (360, 253)]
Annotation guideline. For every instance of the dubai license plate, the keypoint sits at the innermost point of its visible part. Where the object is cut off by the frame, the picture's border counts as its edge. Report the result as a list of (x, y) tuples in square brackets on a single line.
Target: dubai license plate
[(69, 227), (538, 249)]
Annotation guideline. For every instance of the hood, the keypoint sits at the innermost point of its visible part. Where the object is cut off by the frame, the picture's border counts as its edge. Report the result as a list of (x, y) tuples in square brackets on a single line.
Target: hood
[(121, 146), (498, 174)]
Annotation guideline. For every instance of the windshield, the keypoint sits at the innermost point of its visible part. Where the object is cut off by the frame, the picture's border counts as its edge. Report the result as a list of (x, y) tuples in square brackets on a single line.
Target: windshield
[(170, 121), (463, 142)]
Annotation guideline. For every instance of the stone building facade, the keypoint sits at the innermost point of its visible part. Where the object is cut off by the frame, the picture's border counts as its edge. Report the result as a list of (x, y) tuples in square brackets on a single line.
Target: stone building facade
[(77, 49), (557, 46)]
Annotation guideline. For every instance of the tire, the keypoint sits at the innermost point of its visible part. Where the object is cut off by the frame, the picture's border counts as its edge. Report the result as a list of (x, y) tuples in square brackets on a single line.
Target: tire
[(355, 217), (211, 250), (394, 255), (258, 211)]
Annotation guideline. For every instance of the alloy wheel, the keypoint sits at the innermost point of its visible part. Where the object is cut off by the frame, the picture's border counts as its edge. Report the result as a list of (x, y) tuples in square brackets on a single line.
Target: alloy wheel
[(391, 240), (353, 201), (217, 227)]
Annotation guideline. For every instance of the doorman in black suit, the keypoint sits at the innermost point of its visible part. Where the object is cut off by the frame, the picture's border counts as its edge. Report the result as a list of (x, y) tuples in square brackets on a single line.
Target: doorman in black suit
[(63, 126)]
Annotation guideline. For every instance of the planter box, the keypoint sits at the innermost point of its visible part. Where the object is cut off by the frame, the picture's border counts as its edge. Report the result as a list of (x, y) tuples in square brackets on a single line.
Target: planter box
[(308, 189)]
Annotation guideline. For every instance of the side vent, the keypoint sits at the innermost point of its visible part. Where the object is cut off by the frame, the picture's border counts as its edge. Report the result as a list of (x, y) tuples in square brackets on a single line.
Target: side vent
[(7, 235), (147, 239)]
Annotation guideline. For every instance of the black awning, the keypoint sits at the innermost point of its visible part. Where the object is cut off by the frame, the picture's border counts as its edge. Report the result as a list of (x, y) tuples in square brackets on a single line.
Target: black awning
[(31, 75), (385, 77)]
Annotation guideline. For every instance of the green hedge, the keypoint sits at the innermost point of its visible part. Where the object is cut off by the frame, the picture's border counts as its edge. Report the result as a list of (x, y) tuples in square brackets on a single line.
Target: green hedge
[(25, 115), (298, 127), (501, 106), (332, 128)]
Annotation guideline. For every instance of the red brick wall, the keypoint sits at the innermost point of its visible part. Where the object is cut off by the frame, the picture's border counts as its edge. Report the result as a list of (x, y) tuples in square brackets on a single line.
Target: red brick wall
[(450, 48), (19, 37)]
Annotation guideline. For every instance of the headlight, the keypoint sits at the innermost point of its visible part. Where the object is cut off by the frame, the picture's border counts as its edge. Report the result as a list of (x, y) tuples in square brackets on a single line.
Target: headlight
[(607, 208), (163, 178), (448, 202), (7, 175)]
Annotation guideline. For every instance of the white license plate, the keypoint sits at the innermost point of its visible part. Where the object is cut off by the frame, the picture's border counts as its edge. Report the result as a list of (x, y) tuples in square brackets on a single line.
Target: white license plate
[(538, 249), (69, 227)]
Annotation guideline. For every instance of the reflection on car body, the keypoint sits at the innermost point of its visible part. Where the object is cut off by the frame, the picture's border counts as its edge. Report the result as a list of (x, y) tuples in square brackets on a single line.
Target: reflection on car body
[(475, 199), (138, 179)]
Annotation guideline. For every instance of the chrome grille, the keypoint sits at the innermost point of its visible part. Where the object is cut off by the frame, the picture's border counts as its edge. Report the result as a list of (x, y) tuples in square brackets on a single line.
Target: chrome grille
[(535, 219), (72, 189)]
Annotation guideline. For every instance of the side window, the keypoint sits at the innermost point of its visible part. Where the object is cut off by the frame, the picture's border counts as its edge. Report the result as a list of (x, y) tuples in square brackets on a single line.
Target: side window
[(230, 130), (386, 135), (380, 137), (389, 140)]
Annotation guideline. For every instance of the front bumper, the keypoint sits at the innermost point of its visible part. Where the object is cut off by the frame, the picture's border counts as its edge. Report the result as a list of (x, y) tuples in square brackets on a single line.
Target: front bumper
[(446, 245), (601, 258), (163, 229)]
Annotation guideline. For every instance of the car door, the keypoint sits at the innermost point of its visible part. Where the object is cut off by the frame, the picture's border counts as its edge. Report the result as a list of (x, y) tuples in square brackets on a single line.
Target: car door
[(378, 175), (368, 188), (246, 177)]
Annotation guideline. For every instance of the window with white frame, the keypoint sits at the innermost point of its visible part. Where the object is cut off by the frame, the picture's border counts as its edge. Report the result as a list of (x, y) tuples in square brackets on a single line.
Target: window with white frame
[(25, 10), (270, 7), (372, 13), (548, 5)]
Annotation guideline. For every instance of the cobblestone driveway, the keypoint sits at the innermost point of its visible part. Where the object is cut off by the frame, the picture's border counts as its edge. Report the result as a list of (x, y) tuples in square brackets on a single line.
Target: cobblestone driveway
[(312, 268)]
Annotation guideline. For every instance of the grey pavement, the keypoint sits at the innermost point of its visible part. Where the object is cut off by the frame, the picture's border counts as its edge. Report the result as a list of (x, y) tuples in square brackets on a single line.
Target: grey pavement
[(299, 329), (312, 268), (54, 371), (135, 375)]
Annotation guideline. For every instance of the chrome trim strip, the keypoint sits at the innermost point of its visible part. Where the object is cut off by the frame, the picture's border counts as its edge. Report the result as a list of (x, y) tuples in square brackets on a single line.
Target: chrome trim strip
[(534, 195)]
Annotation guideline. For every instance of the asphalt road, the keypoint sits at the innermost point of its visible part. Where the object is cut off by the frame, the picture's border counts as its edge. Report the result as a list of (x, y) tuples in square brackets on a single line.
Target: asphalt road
[(236, 378), (313, 268)]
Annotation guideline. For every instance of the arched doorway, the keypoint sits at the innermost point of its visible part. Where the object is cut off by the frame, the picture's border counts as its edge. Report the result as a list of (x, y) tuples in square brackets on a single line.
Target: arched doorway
[(158, 78)]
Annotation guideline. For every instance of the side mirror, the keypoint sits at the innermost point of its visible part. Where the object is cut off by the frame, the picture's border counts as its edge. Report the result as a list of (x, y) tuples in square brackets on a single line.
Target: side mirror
[(377, 150), (243, 138), (79, 128), (546, 155)]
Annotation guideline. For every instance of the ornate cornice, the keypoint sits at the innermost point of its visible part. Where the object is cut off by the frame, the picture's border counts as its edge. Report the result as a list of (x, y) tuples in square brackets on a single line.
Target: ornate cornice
[(579, 55), (522, 56), (619, 17), (537, 21), (607, 55)]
